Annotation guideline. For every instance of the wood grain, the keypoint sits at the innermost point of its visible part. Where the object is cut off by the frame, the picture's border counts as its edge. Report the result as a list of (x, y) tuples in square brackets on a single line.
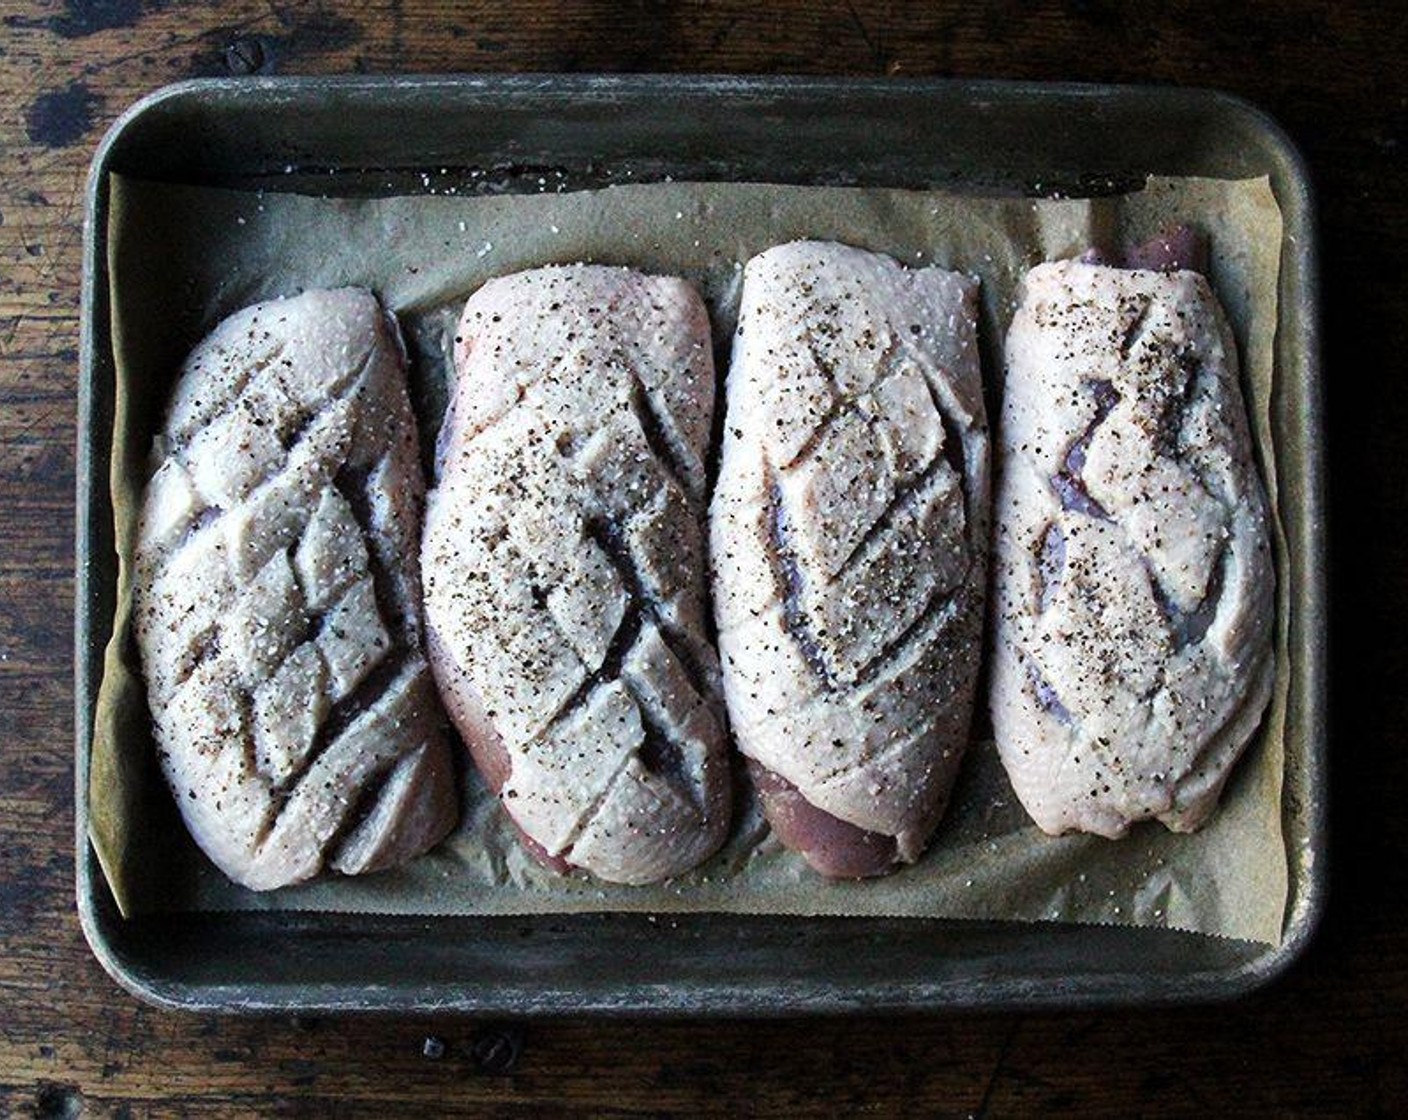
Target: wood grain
[(1329, 1039)]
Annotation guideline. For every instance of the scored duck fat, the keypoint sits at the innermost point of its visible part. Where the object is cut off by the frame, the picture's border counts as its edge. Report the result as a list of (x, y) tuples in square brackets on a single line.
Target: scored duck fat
[(565, 569), (849, 532), (277, 598), (1133, 582)]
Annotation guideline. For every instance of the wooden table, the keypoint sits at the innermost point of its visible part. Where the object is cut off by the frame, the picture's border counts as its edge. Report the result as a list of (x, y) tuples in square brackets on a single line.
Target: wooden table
[(1331, 1037)]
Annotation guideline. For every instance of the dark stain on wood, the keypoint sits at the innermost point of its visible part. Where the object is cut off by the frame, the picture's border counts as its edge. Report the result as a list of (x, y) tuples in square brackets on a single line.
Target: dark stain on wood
[(322, 30), (58, 117), (81, 18)]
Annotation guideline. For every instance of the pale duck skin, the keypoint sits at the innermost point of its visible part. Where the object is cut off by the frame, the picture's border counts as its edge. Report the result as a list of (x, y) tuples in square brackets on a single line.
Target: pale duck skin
[(277, 598), (565, 569), (1133, 603), (849, 529)]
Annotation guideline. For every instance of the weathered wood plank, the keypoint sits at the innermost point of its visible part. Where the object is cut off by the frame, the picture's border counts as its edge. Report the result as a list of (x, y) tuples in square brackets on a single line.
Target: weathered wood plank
[(1329, 1039)]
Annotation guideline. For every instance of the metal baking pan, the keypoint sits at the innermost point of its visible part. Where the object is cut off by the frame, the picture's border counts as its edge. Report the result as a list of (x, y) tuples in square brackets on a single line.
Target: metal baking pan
[(373, 133)]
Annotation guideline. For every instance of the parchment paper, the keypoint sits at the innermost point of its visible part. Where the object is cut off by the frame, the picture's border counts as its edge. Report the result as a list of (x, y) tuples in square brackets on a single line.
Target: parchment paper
[(182, 258)]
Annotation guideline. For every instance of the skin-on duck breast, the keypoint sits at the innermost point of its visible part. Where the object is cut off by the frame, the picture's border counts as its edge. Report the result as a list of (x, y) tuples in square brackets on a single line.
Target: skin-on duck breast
[(1133, 581), (565, 570), (849, 530), (277, 598)]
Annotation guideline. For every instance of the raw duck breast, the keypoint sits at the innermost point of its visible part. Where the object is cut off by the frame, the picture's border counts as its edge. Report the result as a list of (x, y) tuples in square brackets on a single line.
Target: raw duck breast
[(277, 598), (849, 529), (1133, 575), (565, 570)]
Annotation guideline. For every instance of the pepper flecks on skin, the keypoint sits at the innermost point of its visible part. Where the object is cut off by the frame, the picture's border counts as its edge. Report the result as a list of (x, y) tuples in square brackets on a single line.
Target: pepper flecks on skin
[(1132, 660), (277, 598), (564, 551), (849, 531)]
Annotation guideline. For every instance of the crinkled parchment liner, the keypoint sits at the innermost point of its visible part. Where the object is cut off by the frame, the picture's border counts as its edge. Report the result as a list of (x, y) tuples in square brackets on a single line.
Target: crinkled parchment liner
[(182, 258)]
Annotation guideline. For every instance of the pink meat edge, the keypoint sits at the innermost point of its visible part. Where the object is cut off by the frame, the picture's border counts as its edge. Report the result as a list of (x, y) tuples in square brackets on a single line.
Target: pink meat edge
[(485, 745), (833, 847), (1176, 249)]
